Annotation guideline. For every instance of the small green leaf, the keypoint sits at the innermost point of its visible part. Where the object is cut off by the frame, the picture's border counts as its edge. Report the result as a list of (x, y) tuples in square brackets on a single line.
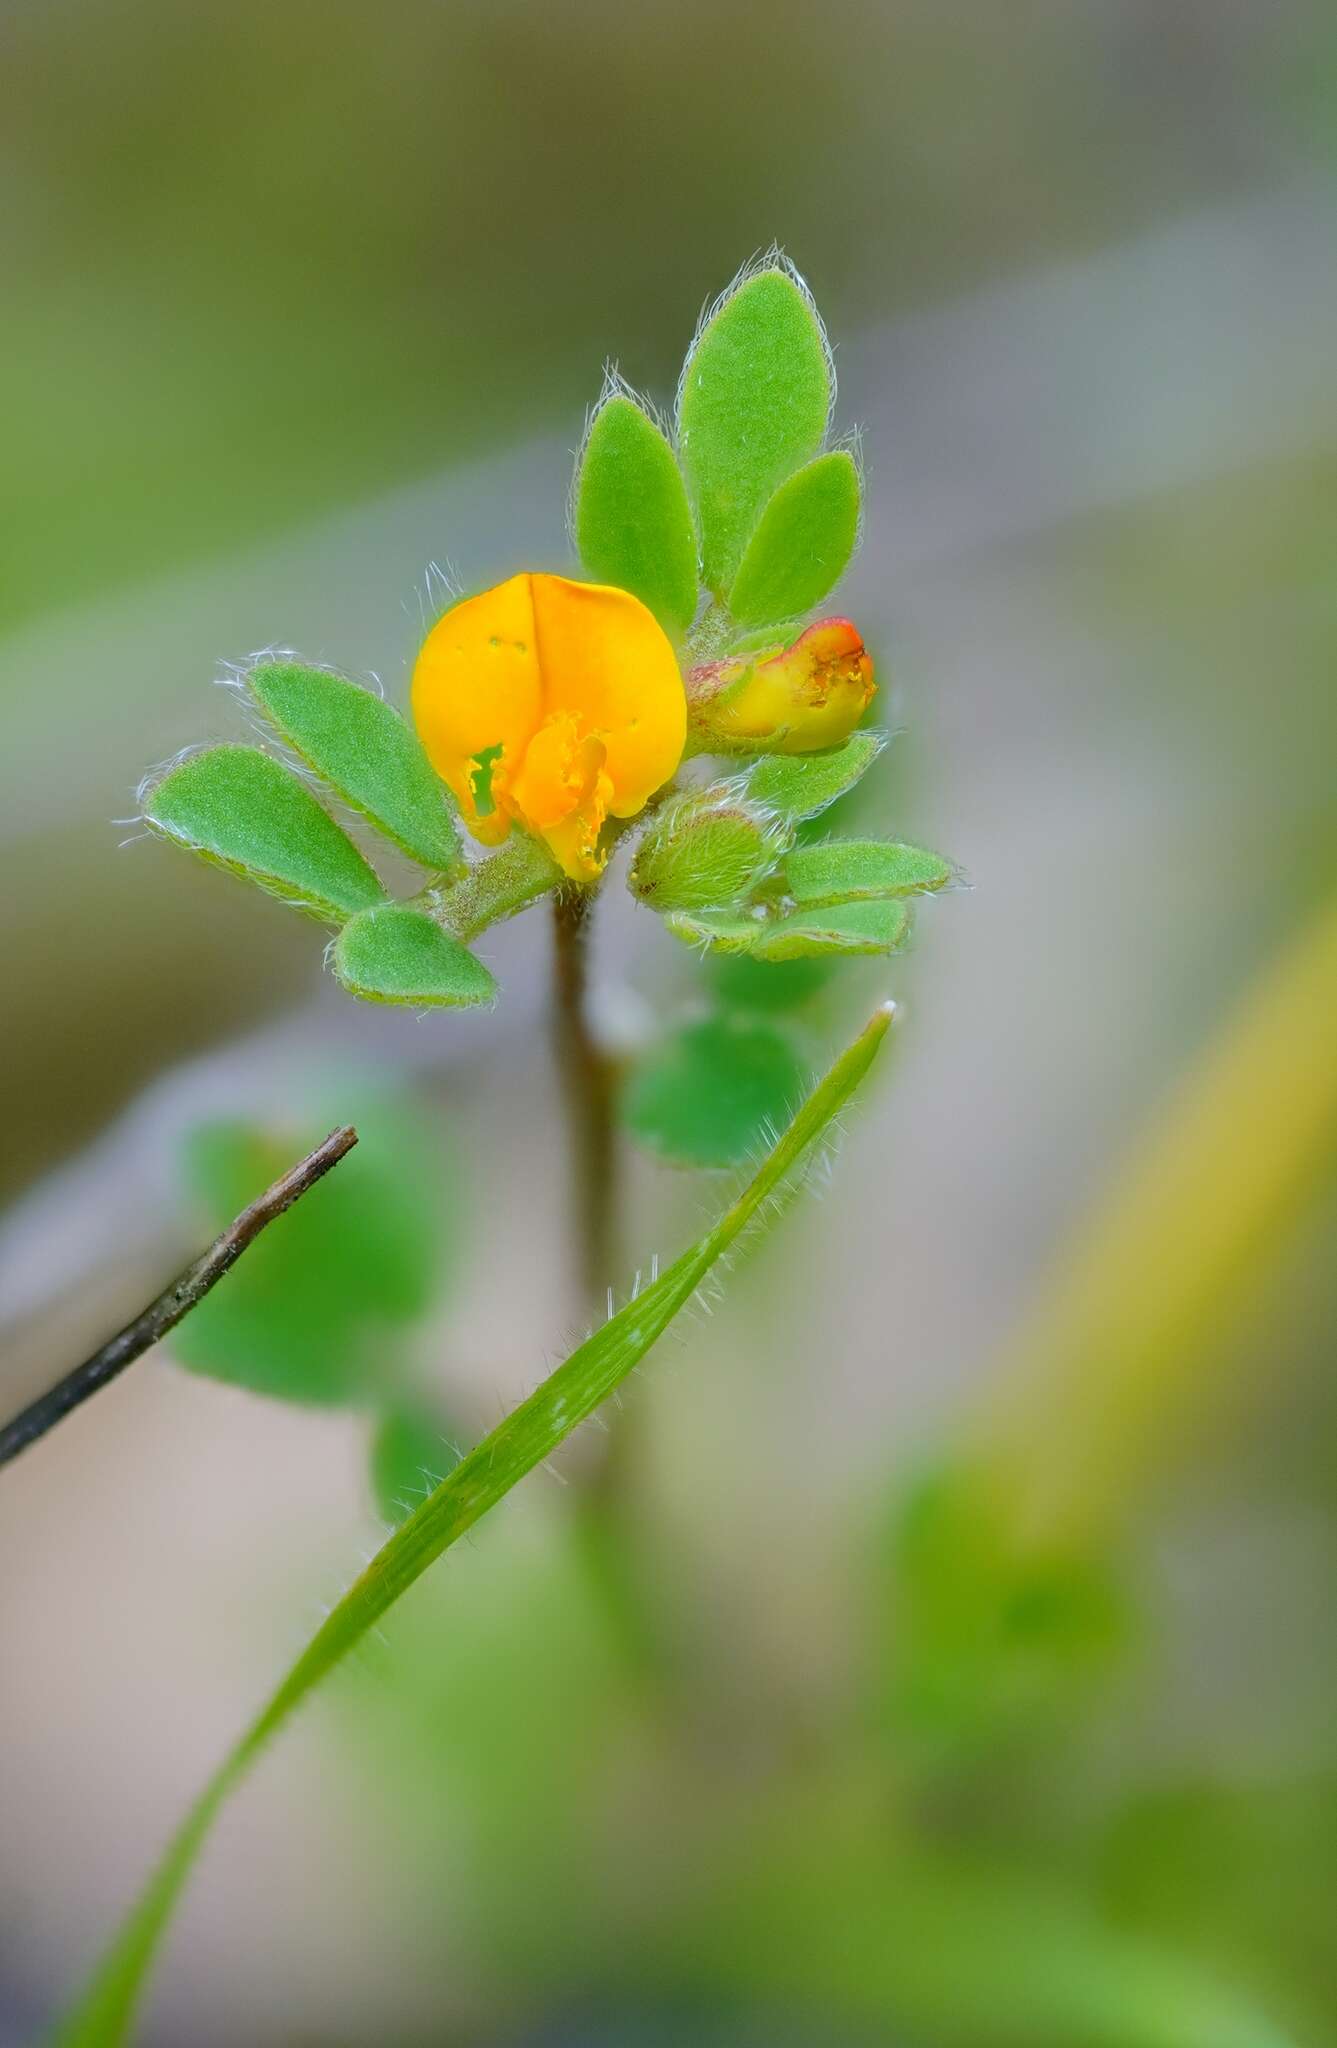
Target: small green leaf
[(311, 1313), (718, 931), (241, 809), (706, 848), (801, 785), (708, 1095), (754, 404), (366, 752), (855, 870), (633, 523), (104, 2014), (395, 954), (802, 544), (409, 1458), (878, 927)]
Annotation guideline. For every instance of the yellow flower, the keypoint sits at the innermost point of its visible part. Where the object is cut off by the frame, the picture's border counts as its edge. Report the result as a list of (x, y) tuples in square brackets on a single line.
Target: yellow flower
[(786, 700), (551, 705)]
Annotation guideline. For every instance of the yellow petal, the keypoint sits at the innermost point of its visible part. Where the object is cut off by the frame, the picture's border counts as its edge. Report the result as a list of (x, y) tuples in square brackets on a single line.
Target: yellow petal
[(477, 686), (605, 658), (551, 704), (558, 773)]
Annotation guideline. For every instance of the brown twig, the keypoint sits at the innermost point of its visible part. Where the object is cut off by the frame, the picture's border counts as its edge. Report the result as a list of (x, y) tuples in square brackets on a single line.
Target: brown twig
[(175, 1302)]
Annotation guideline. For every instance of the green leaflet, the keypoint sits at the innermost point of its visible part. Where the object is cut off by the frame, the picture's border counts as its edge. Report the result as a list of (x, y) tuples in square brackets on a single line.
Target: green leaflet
[(878, 927), (754, 404), (802, 544), (531, 1433), (704, 848), (707, 1095), (854, 870), (801, 785), (241, 809), (632, 520), (718, 931), (395, 954), (365, 751)]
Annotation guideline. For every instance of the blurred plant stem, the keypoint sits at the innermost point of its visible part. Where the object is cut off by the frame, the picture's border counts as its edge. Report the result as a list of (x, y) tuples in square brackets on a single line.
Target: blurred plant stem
[(605, 1520), (586, 1079)]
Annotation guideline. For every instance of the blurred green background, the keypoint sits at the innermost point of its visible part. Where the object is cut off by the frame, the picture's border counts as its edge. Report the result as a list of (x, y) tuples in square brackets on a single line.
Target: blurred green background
[(956, 1661)]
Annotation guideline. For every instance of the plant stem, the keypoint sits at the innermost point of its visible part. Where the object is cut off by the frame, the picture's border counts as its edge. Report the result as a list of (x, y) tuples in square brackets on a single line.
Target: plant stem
[(176, 1301), (586, 1078)]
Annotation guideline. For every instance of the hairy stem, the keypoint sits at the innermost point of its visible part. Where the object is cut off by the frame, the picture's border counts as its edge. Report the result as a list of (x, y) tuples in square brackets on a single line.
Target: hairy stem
[(586, 1079), (176, 1301)]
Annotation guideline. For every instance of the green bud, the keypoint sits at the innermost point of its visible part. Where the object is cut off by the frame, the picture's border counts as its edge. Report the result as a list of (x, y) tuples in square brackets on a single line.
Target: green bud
[(706, 848)]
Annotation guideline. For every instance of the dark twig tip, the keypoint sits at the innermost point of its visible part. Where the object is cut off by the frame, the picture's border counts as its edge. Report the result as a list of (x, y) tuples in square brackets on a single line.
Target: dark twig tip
[(176, 1300)]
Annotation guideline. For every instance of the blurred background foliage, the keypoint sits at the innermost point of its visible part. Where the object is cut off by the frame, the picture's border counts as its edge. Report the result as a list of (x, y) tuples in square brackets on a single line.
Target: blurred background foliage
[(945, 1652)]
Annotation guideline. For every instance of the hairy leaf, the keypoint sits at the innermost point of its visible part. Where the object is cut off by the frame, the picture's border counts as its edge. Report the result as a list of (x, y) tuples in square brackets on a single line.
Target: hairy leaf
[(754, 403), (802, 543), (365, 751), (241, 809), (854, 870), (717, 931), (633, 523), (801, 785), (877, 927), (395, 954)]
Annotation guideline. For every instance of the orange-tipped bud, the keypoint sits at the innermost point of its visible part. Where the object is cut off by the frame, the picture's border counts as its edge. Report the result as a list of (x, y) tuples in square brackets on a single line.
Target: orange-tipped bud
[(784, 700)]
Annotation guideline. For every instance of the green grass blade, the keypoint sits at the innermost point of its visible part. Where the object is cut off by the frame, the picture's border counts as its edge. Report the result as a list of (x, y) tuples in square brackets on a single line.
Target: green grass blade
[(527, 1436)]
